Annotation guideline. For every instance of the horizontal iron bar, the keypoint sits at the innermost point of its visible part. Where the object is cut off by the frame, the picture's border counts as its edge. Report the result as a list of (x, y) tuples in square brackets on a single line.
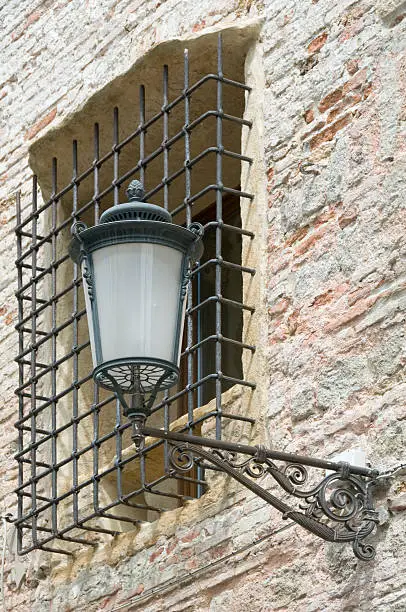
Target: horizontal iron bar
[(237, 417), (216, 113), (37, 430), (28, 362), (207, 189), (38, 463), (27, 330), (36, 397), (252, 450), (218, 261), (237, 381), (233, 228), (40, 497), (47, 549), (29, 267), (218, 338), (28, 234), (220, 298), (28, 298)]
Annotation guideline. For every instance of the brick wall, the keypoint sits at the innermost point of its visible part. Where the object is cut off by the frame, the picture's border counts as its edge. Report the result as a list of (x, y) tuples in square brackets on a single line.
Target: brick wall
[(334, 137)]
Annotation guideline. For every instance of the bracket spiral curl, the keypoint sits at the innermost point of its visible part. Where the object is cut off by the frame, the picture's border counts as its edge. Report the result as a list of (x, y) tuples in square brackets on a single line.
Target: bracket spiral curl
[(337, 509)]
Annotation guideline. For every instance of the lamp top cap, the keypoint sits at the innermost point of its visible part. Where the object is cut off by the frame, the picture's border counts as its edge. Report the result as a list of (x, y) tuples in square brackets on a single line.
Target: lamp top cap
[(136, 209)]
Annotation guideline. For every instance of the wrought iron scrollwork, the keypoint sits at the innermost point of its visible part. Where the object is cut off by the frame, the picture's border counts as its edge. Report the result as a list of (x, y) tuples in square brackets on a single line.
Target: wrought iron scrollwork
[(337, 509), (76, 230)]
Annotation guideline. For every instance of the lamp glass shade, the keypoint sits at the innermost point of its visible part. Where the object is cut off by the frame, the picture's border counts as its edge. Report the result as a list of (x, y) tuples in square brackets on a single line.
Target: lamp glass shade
[(137, 287), (135, 265)]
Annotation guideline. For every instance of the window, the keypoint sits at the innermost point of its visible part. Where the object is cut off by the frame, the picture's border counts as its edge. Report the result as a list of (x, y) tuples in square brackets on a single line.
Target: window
[(79, 475)]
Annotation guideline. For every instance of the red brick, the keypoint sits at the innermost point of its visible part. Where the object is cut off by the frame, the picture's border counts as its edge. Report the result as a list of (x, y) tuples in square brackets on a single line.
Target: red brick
[(357, 80), (331, 295), (189, 537), (171, 546), (324, 298), (317, 43), (360, 308), (293, 322), (347, 219), (270, 174), (352, 66), (298, 235), (330, 99), (358, 294), (316, 128), (309, 115), (280, 307), (398, 504), (326, 215), (137, 591), (9, 318), (37, 127), (311, 240), (157, 553), (366, 91), (199, 26), (348, 101), (29, 21), (330, 131)]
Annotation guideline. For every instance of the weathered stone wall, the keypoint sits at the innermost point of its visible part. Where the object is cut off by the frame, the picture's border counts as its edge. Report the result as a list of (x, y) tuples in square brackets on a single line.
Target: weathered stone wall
[(333, 131)]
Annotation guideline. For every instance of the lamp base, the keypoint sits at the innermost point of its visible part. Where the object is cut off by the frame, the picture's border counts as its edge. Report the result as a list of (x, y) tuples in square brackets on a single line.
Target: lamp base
[(136, 375)]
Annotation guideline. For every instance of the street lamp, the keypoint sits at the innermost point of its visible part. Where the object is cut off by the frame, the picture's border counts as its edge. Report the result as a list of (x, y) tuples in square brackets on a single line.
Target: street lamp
[(135, 267)]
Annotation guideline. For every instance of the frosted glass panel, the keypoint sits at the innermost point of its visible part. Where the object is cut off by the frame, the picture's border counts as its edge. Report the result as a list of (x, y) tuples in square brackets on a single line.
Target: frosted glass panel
[(137, 287)]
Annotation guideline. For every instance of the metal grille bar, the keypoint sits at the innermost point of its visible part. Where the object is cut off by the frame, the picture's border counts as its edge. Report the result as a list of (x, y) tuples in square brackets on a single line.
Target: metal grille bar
[(78, 475)]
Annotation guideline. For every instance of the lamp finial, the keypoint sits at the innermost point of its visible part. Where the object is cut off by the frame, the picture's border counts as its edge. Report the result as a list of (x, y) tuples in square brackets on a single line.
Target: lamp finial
[(135, 191)]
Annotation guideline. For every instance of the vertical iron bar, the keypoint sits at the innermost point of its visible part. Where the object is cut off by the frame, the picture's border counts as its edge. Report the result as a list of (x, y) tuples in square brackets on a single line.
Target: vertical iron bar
[(200, 474), (96, 392), (53, 345), (115, 156), (165, 138), (199, 338), (142, 135), (119, 448), (143, 477), (118, 432), (20, 370), (96, 444), (219, 219), (188, 211), (96, 143), (75, 365), (34, 359), (166, 206)]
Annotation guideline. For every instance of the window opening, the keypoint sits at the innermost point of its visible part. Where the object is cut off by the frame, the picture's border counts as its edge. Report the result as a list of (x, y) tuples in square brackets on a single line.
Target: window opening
[(79, 475)]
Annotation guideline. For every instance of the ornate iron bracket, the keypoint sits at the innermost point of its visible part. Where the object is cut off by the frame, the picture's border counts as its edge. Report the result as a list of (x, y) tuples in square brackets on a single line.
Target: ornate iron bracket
[(339, 508)]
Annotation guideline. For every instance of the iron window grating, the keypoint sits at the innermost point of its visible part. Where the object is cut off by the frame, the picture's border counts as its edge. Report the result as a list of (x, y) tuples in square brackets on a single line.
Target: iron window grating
[(39, 264)]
